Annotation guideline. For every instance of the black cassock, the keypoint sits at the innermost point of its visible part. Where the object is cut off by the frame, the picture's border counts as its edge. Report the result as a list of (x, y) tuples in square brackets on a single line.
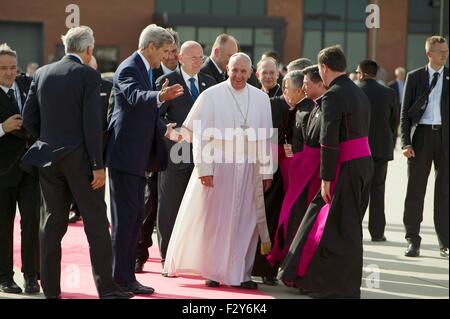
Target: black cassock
[(335, 268), (285, 120)]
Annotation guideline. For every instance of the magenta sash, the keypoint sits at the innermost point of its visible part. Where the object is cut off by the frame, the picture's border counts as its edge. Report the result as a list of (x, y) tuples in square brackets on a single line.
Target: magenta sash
[(304, 169), (349, 150), (285, 167)]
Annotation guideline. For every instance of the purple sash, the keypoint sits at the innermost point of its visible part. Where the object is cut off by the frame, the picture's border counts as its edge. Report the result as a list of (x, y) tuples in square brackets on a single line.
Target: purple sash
[(285, 167), (349, 150), (304, 169)]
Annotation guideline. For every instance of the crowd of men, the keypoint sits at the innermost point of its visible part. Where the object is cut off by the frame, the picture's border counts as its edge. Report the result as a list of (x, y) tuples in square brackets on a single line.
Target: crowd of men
[(295, 217)]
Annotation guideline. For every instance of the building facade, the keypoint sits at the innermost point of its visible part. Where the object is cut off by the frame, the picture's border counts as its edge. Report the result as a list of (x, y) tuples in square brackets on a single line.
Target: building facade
[(293, 28)]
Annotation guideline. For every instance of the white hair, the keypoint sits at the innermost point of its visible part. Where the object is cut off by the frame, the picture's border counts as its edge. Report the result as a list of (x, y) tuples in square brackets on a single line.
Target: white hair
[(240, 55), (153, 33), (78, 39)]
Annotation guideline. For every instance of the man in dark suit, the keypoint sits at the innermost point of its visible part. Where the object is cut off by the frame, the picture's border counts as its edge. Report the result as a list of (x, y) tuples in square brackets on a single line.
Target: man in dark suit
[(17, 187), (68, 154), (169, 63), (215, 65), (384, 120), (398, 86), (105, 92), (135, 146), (424, 135), (173, 181)]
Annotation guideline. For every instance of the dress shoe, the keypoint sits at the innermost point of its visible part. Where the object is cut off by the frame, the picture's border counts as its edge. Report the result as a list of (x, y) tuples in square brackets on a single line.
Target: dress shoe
[(444, 252), (118, 293), (137, 288), (412, 251), (248, 285), (139, 266), (10, 287), (270, 281), (31, 286), (378, 239), (212, 283), (74, 217)]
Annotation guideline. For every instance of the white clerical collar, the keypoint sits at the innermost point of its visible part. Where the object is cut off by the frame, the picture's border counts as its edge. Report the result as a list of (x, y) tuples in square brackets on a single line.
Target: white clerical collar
[(217, 67), (431, 71), (166, 70), (186, 76), (147, 65), (76, 56)]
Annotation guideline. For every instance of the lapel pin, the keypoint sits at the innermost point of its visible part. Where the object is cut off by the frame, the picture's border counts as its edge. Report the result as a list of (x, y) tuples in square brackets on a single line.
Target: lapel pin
[(204, 84), (446, 77)]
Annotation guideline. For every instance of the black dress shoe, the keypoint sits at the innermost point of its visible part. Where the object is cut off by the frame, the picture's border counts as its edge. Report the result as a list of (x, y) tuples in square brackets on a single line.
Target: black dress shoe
[(31, 286), (10, 287), (412, 251), (118, 293), (212, 283), (137, 288), (444, 252), (74, 217), (270, 281), (378, 239), (248, 285), (139, 266)]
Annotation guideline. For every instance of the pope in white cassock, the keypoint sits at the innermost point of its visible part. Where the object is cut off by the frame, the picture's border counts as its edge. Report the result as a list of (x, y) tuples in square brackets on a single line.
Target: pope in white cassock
[(222, 212)]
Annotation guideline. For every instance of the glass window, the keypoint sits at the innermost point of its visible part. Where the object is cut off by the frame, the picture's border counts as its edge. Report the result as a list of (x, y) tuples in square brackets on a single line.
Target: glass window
[(252, 7), (334, 37), (416, 51), (169, 6), (220, 7), (312, 44), (186, 33), (264, 36), (313, 7), (258, 52), (356, 49), (243, 35), (335, 9), (196, 7)]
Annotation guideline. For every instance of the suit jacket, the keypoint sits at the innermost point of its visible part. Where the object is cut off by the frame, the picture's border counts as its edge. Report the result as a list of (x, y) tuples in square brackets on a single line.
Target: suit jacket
[(176, 110), (135, 132), (384, 118), (105, 93), (345, 116), (417, 82), (210, 69), (63, 113), (394, 85), (13, 144)]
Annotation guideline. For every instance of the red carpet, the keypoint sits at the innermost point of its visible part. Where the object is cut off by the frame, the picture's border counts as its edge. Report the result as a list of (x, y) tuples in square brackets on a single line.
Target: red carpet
[(77, 281)]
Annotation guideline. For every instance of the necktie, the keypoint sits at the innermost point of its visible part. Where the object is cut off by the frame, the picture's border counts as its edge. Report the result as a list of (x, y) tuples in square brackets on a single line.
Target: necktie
[(194, 90), (150, 77), (434, 81), (13, 98)]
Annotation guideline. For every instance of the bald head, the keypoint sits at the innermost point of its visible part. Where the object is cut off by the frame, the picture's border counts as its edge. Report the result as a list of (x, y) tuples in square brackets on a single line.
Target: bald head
[(224, 47), (191, 57), (400, 73)]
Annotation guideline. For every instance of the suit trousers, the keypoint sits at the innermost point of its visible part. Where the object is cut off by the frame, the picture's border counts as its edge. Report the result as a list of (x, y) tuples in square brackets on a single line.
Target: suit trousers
[(27, 196), (150, 209), (60, 182), (127, 214), (171, 187), (377, 218), (428, 148)]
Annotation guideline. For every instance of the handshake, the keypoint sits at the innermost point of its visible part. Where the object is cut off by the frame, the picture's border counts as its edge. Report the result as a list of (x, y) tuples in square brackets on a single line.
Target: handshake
[(177, 135)]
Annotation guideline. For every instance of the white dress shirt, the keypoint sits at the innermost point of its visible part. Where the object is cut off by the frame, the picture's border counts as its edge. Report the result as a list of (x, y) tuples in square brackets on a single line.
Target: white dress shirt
[(147, 67), (16, 90), (186, 78), (432, 114), (166, 70)]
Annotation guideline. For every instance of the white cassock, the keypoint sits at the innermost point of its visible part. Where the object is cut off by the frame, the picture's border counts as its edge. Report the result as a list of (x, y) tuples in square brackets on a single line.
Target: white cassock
[(216, 231)]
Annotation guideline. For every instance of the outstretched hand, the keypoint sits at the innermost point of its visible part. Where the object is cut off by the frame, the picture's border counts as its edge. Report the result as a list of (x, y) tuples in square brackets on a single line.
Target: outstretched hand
[(172, 134), (168, 93)]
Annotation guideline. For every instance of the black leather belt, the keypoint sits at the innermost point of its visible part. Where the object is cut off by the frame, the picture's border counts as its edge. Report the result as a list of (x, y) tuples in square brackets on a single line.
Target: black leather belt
[(434, 127)]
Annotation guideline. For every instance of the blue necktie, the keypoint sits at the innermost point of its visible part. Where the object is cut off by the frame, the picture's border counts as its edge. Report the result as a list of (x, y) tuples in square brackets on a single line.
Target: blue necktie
[(194, 90), (150, 77)]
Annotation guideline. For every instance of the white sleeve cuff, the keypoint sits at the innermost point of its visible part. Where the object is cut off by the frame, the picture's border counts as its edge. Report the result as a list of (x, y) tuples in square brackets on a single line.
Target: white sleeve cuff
[(1, 130)]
